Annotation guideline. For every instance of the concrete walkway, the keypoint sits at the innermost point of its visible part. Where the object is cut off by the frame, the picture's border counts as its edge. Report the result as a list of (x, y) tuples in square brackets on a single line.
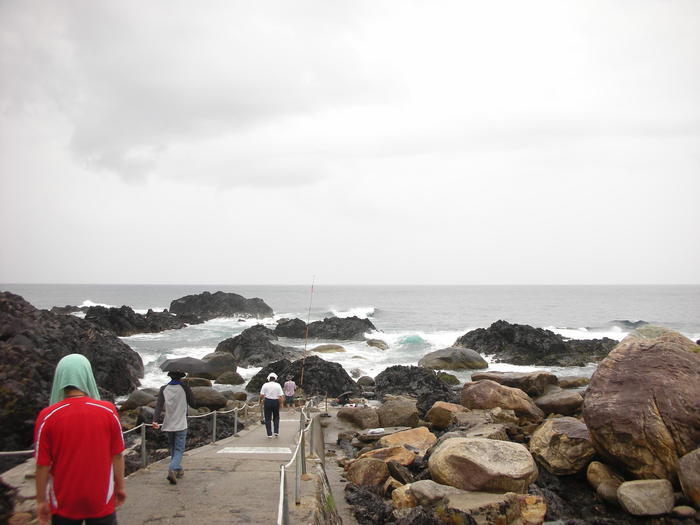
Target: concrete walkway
[(235, 480)]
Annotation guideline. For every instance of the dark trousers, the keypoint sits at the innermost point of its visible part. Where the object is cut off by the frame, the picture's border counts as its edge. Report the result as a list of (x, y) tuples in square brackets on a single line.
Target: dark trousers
[(272, 412), (110, 519)]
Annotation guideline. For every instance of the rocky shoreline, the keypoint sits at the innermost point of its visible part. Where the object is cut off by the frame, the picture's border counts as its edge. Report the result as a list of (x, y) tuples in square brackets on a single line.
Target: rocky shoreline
[(501, 448)]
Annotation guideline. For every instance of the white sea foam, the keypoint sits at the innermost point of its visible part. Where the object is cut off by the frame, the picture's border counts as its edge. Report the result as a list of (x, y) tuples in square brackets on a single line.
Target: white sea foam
[(88, 303), (363, 312), (143, 311), (613, 332)]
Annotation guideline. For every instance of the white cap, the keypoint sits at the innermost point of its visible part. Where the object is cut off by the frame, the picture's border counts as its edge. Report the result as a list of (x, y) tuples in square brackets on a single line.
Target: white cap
[(271, 376)]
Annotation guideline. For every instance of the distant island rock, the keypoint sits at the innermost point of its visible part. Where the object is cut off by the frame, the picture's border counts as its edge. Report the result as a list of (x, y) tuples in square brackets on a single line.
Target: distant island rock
[(124, 321), (337, 328), (32, 341), (208, 305), (524, 345)]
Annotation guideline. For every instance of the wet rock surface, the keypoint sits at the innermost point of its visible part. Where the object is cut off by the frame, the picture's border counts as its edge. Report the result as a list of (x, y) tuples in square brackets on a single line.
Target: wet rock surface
[(421, 383), (124, 321), (335, 328), (641, 405), (259, 379), (220, 304), (525, 345), (453, 359), (32, 342), (256, 346)]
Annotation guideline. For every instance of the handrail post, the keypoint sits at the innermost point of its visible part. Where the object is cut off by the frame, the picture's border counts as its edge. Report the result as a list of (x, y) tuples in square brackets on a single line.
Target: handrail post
[(303, 454), (213, 429), (311, 437), (235, 423), (144, 456), (297, 481)]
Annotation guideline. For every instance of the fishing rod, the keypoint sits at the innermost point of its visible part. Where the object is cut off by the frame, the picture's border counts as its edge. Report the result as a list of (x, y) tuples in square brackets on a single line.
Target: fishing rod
[(306, 333)]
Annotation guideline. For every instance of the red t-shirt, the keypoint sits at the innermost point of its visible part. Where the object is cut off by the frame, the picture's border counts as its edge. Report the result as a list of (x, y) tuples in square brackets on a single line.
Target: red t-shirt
[(77, 438)]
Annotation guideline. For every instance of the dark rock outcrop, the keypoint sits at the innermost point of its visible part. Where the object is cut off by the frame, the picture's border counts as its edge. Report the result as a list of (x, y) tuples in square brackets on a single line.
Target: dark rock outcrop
[(254, 347), (32, 342), (220, 304), (415, 381), (124, 321), (259, 379), (641, 406), (292, 328), (368, 508), (525, 345), (68, 309), (342, 328), (320, 377)]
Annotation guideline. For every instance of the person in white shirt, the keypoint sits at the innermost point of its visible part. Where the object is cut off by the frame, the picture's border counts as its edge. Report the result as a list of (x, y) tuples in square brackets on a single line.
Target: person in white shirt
[(272, 397)]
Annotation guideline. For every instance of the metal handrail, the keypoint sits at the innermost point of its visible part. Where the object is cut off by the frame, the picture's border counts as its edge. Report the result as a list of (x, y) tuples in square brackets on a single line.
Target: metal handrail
[(305, 425)]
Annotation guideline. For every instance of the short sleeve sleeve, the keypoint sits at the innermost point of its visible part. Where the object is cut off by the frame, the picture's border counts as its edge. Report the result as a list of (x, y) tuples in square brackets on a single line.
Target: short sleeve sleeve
[(116, 436), (42, 440)]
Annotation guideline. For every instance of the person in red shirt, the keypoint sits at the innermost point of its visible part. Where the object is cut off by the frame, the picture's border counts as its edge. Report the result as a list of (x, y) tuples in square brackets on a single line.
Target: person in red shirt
[(78, 444)]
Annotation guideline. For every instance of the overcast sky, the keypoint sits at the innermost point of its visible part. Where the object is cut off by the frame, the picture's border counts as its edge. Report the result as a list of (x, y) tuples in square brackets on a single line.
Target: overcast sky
[(378, 142)]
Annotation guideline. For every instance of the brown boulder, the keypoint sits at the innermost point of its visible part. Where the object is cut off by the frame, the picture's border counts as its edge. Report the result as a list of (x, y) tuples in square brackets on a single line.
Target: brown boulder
[(482, 508), (489, 394), (559, 401), (397, 453), (442, 414), (362, 417), (205, 396), (398, 412), (598, 473), (478, 464), (573, 381), (689, 475), (641, 406), (646, 497), (562, 445), (369, 473), (532, 383), (418, 439)]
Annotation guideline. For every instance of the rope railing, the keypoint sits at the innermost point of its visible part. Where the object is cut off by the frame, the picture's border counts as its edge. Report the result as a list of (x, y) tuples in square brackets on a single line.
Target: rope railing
[(306, 424), (143, 426)]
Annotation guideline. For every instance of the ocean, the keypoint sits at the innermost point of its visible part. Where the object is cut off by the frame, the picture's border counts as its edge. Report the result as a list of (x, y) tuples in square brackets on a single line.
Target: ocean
[(413, 320)]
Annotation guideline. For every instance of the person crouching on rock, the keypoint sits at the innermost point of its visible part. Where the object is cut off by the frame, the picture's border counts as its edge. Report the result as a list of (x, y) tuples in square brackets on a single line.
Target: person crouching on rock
[(174, 397), (272, 396), (78, 448)]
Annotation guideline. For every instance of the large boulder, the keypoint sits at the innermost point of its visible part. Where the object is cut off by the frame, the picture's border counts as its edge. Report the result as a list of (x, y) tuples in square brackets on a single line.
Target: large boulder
[(689, 475), (560, 401), (562, 445), (259, 379), (532, 383), (254, 347), (487, 465), (415, 381), (220, 304), (124, 321), (646, 497), (205, 396), (641, 406), (340, 328), (137, 398), (418, 439), (525, 345), (320, 377), (362, 417), (220, 363), (453, 359), (369, 473), (396, 453), (442, 414), (483, 508), (489, 394), (398, 412), (32, 342)]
